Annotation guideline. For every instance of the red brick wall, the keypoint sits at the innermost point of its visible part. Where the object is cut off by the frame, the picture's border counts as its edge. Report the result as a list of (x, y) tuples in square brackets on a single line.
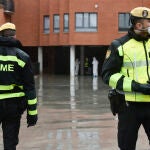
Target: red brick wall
[(29, 20), (3, 17)]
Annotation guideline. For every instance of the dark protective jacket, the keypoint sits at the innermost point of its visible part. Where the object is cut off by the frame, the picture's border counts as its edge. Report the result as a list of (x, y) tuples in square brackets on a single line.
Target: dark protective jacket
[(128, 60), (16, 76)]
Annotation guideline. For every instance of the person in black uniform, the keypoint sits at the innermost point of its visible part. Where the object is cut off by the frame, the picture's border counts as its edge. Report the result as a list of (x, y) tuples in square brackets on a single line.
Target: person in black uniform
[(17, 87), (126, 69)]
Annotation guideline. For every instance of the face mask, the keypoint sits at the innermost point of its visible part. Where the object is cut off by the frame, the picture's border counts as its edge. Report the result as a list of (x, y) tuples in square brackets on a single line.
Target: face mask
[(148, 30), (145, 30)]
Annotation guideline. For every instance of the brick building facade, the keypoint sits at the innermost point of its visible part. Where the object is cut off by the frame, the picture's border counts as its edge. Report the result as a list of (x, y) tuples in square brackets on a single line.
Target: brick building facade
[(50, 29)]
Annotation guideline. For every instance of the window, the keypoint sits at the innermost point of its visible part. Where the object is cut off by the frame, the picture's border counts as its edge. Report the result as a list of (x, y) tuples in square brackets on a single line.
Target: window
[(124, 23), (46, 24), (86, 22), (56, 24), (66, 22)]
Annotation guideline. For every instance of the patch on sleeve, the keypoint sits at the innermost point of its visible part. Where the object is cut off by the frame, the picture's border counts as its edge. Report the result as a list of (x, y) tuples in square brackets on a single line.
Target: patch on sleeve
[(108, 54)]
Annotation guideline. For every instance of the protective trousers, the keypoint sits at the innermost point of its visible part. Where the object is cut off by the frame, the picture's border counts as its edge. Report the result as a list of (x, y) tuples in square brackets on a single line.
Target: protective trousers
[(10, 116), (130, 120)]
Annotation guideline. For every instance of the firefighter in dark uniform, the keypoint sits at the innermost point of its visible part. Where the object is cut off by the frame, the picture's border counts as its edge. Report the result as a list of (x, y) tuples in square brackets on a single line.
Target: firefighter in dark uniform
[(126, 68), (17, 87)]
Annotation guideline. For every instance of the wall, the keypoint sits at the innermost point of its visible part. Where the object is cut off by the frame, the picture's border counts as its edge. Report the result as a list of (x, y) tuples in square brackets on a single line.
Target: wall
[(26, 18), (29, 21)]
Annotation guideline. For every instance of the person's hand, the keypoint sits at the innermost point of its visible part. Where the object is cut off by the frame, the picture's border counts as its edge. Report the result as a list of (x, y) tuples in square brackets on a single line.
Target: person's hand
[(31, 120), (143, 88)]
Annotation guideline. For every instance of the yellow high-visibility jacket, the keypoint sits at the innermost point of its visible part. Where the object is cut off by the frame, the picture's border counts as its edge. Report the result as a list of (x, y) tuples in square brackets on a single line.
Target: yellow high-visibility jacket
[(128, 59)]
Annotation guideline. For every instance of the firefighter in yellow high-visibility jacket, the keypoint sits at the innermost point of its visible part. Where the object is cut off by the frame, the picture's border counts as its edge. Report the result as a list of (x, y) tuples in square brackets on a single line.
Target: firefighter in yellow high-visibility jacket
[(127, 69), (17, 87)]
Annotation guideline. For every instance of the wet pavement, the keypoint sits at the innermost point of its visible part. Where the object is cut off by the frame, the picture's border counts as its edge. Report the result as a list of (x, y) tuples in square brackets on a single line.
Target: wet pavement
[(74, 114)]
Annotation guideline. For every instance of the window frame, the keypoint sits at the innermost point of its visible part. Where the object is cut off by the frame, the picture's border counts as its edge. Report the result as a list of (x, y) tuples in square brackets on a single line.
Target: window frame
[(56, 26), (66, 22), (124, 27), (85, 25), (46, 20)]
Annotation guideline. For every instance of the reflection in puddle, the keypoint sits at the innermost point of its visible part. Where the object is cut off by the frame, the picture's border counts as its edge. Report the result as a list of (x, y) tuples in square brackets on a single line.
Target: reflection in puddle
[(76, 83), (95, 99), (63, 92), (72, 101), (95, 83), (40, 90), (95, 88), (74, 140), (72, 93)]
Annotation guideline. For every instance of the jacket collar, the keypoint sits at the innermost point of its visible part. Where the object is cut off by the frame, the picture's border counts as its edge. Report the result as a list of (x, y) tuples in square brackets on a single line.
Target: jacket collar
[(10, 42)]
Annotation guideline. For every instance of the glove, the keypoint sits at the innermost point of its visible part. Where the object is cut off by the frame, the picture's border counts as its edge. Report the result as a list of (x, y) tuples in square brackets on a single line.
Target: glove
[(143, 88), (117, 101), (31, 120)]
